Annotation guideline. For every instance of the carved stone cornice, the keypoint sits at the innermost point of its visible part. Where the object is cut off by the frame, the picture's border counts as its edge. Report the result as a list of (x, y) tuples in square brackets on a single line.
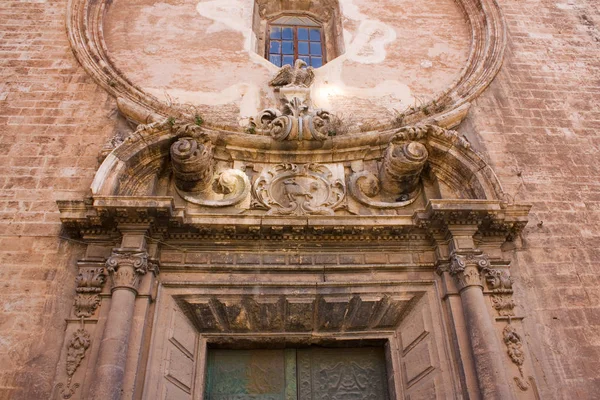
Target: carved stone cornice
[(125, 268)]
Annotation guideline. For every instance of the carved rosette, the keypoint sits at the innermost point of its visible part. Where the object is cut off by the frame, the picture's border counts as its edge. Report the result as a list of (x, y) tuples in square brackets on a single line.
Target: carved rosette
[(291, 189), (89, 284), (465, 268), (125, 267), (192, 161)]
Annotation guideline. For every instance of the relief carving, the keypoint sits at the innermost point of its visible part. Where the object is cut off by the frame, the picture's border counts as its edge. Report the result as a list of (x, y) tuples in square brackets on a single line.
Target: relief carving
[(504, 304), (89, 285), (291, 189), (514, 345), (295, 119), (76, 349), (498, 281), (402, 166)]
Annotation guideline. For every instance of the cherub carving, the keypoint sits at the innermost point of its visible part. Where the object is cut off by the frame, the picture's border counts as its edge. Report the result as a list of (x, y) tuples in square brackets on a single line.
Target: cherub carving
[(296, 76)]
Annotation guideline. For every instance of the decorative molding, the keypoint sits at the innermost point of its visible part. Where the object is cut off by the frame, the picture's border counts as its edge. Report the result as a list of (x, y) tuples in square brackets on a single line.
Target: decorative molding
[(291, 189), (125, 267)]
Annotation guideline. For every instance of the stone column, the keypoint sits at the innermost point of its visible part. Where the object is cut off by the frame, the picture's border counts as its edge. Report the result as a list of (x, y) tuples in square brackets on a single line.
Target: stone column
[(125, 266), (466, 268)]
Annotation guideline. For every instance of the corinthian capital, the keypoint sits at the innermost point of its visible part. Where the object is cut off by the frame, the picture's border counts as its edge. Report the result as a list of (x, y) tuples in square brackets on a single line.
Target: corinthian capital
[(125, 267), (466, 268)]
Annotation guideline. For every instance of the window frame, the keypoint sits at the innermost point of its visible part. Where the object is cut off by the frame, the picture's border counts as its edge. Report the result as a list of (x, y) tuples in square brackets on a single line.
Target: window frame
[(272, 23)]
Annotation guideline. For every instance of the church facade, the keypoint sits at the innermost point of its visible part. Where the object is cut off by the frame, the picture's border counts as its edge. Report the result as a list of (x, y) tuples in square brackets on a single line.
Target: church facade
[(258, 199)]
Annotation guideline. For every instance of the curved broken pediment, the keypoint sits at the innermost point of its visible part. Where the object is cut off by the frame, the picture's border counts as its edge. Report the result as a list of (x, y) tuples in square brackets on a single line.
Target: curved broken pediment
[(203, 167)]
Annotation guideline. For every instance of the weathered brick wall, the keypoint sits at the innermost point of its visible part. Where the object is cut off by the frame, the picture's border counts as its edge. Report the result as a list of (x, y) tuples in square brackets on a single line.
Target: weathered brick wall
[(539, 123), (53, 120)]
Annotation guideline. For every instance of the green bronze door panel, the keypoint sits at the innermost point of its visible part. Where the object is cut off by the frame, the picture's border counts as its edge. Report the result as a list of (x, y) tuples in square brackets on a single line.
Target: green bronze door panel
[(302, 374), (342, 374), (251, 375)]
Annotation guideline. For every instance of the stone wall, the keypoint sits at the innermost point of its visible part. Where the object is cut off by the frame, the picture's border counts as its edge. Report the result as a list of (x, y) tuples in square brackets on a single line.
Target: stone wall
[(53, 120), (537, 123)]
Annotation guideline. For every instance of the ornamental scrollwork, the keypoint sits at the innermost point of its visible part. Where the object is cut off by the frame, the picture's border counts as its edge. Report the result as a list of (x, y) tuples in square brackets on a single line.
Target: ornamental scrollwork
[(291, 189), (192, 162), (195, 180), (125, 267), (294, 119), (465, 268), (399, 181)]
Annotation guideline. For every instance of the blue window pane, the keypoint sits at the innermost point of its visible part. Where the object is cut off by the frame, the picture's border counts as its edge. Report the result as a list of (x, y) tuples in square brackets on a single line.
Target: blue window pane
[(315, 35), (288, 33), (306, 59), (288, 47), (315, 49), (288, 60), (275, 47), (275, 59), (275, 32), (303, 48), (316, 62), (302, 33)]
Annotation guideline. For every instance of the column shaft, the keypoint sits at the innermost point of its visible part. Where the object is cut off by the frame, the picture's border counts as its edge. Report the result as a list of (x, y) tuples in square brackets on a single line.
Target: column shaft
[(488, 357), (110, 370)]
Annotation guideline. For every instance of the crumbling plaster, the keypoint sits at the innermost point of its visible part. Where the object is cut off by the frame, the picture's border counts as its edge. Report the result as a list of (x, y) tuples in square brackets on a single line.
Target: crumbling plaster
[(203, 53)]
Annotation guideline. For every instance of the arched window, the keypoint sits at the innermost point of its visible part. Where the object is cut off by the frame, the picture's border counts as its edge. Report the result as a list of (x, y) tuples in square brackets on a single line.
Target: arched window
[(295, 37)]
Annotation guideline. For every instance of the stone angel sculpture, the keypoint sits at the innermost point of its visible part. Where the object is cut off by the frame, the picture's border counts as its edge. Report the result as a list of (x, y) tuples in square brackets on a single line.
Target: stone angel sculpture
[(296, 76)]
